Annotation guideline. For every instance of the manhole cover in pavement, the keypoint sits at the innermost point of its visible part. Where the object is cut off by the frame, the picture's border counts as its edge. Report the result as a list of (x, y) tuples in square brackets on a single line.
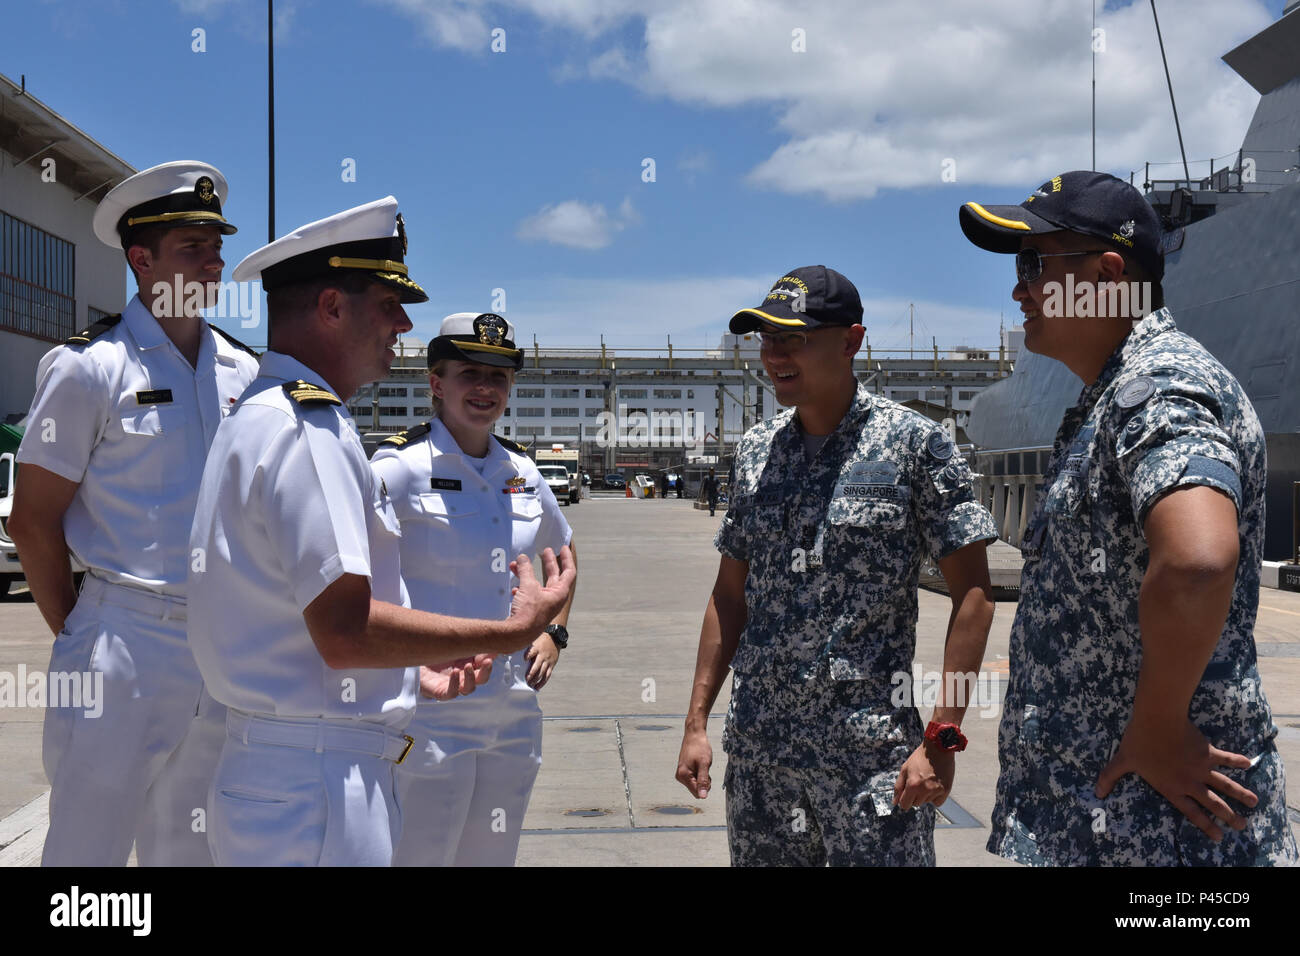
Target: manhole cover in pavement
[(589, 812), (676, 809)]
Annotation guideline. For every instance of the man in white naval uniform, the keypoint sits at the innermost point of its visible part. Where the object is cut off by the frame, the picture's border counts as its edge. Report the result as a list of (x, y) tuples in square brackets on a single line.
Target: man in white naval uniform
[(299, 620), (120, 425)]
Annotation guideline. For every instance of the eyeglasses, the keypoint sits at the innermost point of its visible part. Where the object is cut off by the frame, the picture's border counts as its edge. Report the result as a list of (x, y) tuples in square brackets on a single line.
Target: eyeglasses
[(782, 341), (1029, 261)]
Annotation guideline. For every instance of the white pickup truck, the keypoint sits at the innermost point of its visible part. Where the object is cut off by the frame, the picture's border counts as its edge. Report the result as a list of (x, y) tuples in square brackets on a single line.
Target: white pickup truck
[(560, 482), (10, 569)]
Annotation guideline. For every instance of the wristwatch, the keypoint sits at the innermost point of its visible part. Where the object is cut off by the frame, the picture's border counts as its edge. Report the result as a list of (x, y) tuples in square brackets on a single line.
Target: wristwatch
[(559, 634), (948, 736)]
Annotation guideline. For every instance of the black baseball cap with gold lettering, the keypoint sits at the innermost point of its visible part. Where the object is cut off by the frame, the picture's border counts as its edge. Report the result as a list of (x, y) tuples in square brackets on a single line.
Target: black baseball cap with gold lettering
[(183, 193), (803, 298), (1094, 204)]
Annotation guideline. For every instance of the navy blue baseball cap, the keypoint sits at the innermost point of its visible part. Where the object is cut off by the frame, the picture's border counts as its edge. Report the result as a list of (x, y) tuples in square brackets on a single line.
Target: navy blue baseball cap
[(1084, 201), (803, 298)]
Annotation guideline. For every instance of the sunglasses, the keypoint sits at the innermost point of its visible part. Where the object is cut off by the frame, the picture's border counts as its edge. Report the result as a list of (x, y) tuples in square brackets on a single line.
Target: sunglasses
[(1029, 261)]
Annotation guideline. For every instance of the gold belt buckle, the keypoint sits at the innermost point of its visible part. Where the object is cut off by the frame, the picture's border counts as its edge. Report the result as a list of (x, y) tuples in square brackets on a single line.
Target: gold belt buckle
[(407, 749)]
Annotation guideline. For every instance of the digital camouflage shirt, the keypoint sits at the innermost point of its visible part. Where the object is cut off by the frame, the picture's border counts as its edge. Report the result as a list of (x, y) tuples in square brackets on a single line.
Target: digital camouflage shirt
[(835, 547), (1162, 415)]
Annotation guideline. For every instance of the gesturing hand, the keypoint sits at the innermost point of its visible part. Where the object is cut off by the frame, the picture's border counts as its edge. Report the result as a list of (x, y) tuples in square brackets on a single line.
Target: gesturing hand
[(455, 678), (532, 605), (1180, 765)]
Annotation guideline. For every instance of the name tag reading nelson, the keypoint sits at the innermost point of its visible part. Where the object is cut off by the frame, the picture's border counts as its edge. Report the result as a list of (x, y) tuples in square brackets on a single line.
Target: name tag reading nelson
[(444, 484), (872, 479), (158, 396)]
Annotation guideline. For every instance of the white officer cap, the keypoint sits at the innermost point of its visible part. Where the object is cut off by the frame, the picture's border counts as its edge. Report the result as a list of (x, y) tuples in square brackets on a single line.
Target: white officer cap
[(369, 239), (184, 193), (482, 337)]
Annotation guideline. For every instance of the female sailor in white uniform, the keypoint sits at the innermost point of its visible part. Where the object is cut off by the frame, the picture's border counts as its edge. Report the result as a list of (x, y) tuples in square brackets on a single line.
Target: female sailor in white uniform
[(469, 502)]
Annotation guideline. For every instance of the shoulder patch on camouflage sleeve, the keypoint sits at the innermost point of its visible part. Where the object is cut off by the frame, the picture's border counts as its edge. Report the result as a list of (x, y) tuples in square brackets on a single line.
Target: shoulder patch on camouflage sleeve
[(511, 445), (939, 447), (402, 439), (235, 342), (1135, 392), (99, 328), (305, 393)]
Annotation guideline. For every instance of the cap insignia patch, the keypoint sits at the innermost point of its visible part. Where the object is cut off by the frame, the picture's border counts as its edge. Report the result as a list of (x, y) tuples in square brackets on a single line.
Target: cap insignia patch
[(490, 328), (204, 189)]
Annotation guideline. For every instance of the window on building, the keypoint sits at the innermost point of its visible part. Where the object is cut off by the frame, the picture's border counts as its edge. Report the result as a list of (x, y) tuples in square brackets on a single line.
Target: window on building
[(593, 411), (632, 393), (594, 393), (966, 395), (424, 411), (392, 410), (93, 315), (38, 290), (564, 393), (530, 393), (394, 392), (904, 394), (564, 413), (531, 413), (668, 393), (565, 430)]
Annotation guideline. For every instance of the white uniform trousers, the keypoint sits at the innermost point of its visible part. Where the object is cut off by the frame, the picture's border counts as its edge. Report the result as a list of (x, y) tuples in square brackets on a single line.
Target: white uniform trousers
[(305, 792), (136, 768), (464, 788)]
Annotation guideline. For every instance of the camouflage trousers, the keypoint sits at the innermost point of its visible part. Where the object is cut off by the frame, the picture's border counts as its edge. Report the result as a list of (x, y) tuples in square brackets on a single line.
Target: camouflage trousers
[(1135, 825), (785, 816)]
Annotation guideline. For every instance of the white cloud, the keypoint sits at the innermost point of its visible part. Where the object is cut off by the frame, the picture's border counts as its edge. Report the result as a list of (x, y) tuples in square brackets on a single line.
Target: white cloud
[(889, 90), (577, 224)]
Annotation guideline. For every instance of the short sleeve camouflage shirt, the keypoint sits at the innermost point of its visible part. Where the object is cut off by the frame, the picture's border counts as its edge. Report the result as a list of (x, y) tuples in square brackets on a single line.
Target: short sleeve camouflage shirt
[(1163, 414), (835, 547)]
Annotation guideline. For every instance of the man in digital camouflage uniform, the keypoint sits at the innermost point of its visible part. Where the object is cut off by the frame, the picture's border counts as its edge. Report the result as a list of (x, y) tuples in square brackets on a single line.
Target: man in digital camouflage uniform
[(1135, 730), (834, 505)]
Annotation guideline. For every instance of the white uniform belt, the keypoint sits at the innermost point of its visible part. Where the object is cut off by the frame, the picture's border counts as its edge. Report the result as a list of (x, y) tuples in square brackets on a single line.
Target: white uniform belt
[(319, 735), (165, 607)]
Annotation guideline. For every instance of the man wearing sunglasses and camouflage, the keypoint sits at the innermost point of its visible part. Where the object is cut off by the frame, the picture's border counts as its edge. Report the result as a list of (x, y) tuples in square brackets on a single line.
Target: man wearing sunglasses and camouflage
[(834, 504), (1135, 730)]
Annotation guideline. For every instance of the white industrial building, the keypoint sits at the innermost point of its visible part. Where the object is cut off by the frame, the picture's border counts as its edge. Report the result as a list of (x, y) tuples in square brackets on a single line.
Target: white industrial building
[(645, 409), (55, 276)]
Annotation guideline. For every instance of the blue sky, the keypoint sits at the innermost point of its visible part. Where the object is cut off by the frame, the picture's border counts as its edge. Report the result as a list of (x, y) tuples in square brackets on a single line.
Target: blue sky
[(523, 169)]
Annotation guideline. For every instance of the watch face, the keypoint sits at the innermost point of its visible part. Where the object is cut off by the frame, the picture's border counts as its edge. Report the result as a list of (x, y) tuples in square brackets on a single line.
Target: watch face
[(949, 738)]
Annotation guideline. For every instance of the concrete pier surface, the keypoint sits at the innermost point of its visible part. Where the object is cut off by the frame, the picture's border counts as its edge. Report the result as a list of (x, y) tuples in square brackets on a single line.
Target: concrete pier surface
[(606, 794)]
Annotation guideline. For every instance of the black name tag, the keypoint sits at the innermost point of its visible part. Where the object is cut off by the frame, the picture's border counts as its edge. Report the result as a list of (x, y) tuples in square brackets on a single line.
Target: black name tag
[(444, 484), (158, 396)]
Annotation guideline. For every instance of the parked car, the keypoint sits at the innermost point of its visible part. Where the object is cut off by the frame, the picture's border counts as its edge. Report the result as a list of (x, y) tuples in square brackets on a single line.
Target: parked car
[(613, 481)]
